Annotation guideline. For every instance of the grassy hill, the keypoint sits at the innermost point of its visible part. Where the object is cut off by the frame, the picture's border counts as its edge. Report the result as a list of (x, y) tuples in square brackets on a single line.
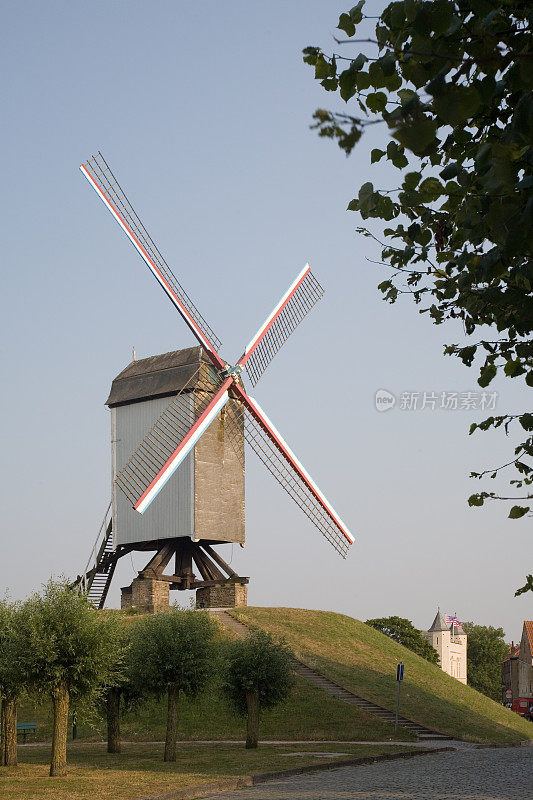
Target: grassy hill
[(364, 660)]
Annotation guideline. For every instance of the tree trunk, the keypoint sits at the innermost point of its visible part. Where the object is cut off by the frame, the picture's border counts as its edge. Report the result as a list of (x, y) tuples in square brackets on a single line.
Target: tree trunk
[(9, 732), (58, 760), (113, 720), (2, 734), (172, 723), (252, 720)]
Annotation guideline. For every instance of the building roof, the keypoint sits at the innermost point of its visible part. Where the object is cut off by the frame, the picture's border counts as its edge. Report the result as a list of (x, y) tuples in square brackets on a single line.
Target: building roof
[(439, 624), (514, 652), (156, 376), (528, 628)]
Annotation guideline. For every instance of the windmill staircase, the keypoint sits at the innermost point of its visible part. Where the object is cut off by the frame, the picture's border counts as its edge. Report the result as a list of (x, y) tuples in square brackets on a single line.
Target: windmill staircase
[(421, 731), (98, 574)]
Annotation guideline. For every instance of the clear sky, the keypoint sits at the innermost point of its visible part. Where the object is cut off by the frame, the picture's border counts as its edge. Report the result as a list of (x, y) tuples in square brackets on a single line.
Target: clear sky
[(203, 111)]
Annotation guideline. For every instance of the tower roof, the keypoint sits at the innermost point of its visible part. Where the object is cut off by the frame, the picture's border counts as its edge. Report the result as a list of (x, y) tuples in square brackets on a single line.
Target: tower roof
[(439, 624), (156, 376)]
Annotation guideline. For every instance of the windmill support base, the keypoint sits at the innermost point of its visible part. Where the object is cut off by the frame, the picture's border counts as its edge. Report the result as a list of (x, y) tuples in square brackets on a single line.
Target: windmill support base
[(216, 586), (145, 594)]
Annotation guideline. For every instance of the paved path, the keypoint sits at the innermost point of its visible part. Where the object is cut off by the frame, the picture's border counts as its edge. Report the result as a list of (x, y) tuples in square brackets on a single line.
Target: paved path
[(468, 774)]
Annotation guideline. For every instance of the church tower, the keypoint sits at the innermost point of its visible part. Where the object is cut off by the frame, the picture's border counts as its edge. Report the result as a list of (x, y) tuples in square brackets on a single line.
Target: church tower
[(450, 642)]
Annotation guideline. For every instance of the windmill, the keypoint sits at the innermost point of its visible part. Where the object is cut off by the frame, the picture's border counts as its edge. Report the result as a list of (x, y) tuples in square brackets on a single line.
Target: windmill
[(207, 394)]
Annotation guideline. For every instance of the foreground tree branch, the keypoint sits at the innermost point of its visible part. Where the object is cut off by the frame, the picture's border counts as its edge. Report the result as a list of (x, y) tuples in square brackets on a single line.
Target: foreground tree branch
[(458, 237)]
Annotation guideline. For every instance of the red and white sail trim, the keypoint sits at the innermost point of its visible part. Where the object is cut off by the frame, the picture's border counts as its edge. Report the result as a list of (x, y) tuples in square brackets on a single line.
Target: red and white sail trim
[(154, 268), (274, 314), (184, 448)]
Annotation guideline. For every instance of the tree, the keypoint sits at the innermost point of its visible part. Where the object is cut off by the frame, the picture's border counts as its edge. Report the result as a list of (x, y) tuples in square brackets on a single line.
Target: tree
[(172, 652), (120, 690), (11, 681), (404, 632), (257, 675), (485, 653), (452, 80), (70, 652)]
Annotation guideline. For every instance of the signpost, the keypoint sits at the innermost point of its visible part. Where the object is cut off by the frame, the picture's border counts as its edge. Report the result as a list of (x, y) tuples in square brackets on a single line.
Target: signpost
[(399, 679)]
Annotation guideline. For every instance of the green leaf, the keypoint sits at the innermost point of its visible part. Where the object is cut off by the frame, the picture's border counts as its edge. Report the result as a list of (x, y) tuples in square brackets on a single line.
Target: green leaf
[(388, 63), (529, 378), (411, 180), (449, 171), (358, 62), (418, 135), (457, 104), (466, 355), (431, 187), (322, 68), (310, 55), (362, 81), (353, 205), (396, 155), (346, 24), (356, 13), (486, 374), (441, 14), (512, 368), (406, 95), (518, 511), (376, 155), (476, 500), (526, 421), (347, 83), (330, 84), (376, 101)]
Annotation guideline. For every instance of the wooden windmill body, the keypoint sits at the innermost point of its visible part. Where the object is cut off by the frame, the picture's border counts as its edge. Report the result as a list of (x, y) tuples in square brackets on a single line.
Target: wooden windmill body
[(203, 501)]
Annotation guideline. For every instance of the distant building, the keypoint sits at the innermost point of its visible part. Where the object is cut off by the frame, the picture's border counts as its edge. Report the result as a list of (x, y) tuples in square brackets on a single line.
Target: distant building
[(450, 642), (517, 666)]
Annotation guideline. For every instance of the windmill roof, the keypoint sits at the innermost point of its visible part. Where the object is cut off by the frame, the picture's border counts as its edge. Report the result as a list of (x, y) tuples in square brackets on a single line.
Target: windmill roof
[(156, 376), (439, 624)]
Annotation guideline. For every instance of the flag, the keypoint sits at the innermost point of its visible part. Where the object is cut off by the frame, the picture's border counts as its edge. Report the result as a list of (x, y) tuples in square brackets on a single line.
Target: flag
[(452, 620)]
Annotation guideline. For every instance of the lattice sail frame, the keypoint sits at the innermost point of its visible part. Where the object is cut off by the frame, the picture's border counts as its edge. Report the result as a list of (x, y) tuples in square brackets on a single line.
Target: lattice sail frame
[(99, 174), (298, 300), (240, 421)]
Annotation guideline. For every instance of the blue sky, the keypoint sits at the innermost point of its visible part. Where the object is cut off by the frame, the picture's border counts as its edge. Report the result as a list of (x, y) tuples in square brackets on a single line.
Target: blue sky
[(203, 111)]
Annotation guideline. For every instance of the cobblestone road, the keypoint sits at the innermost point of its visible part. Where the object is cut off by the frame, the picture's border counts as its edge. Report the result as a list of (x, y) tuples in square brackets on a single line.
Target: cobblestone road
[(467, 774)]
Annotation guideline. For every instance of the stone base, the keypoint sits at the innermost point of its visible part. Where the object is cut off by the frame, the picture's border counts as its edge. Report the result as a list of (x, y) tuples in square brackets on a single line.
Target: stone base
[(228, 596), (146, 595)]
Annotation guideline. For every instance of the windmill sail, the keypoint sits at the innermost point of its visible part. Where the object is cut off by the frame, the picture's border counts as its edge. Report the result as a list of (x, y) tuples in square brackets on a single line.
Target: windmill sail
[(295, 304), (101, 178), (193, 410)]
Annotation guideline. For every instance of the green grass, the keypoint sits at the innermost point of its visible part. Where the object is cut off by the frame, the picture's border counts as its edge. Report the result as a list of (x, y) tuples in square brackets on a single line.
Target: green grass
[(364, 660), (309, 714), (139, 770)]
